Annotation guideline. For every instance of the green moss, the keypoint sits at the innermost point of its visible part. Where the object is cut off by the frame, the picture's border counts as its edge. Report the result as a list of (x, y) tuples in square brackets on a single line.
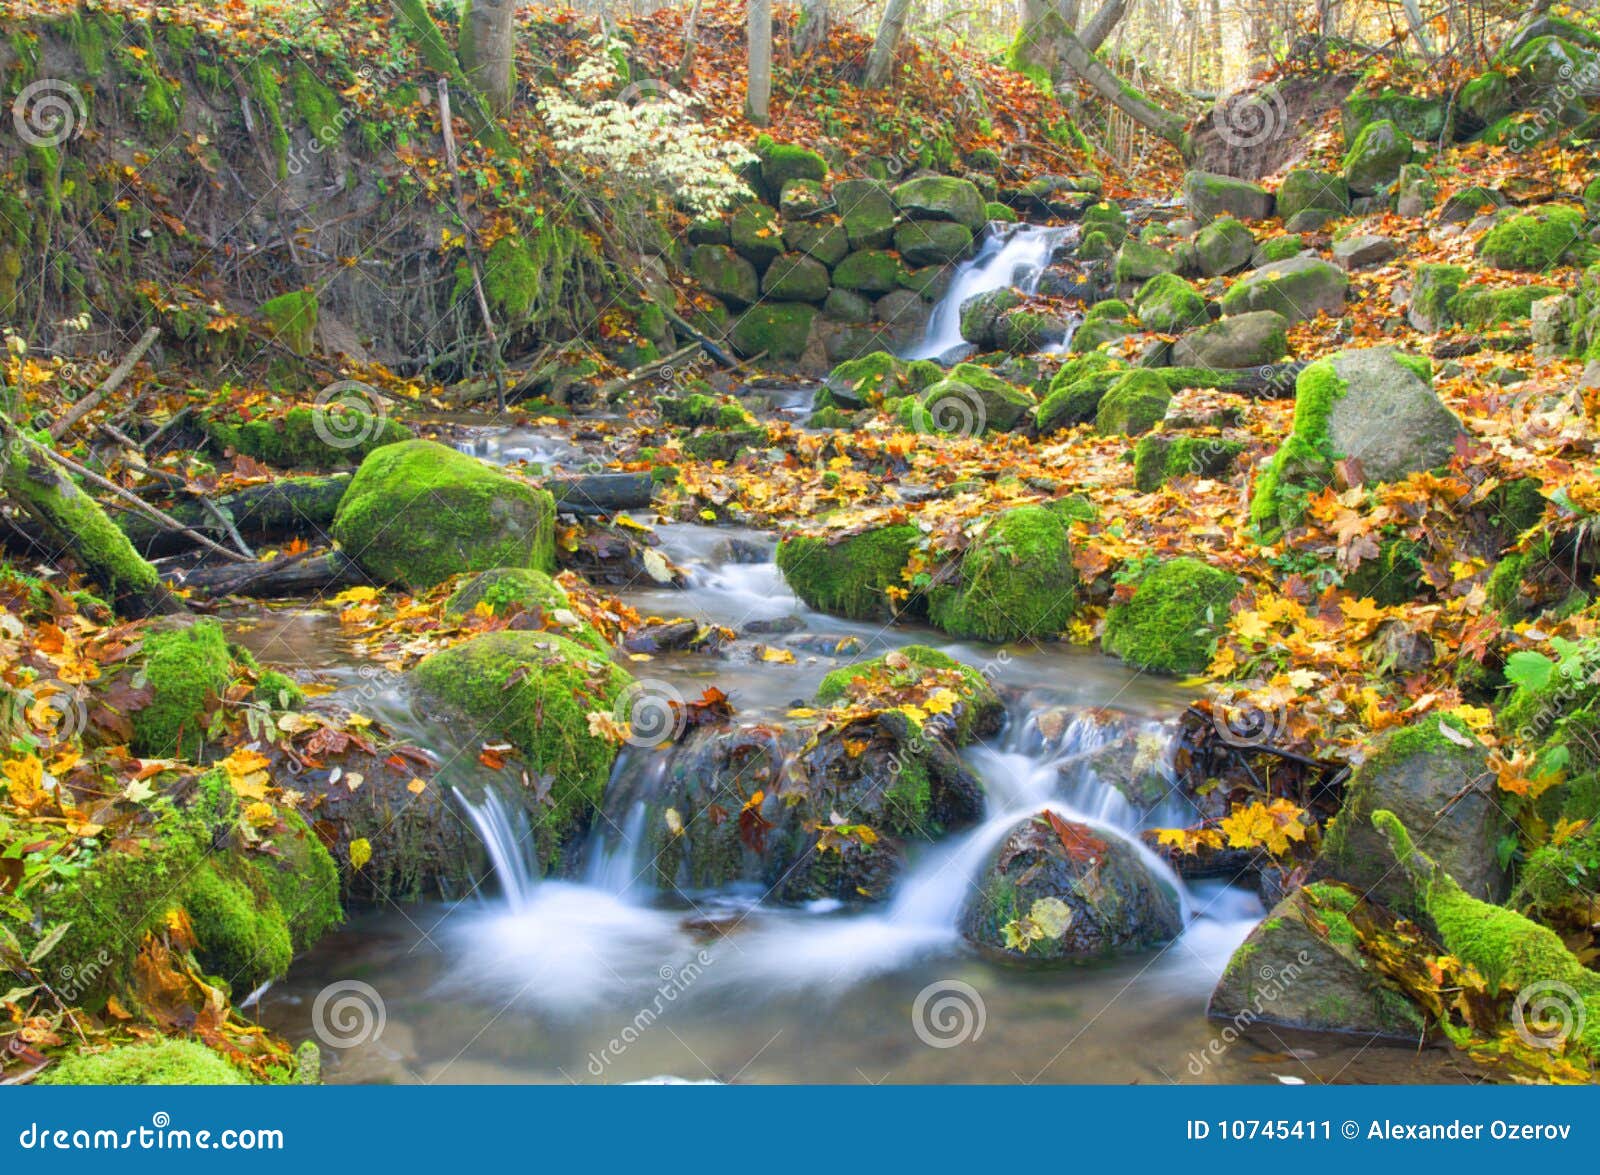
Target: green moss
[(1480, 306), (166, 1062), (1076, 391), (978, 703), (848, 577), (1281, 248), (323, 437), (782, 162), (1159, 458), (1511, 951), (1308, 452), (535, 691), (1000, 212), (870, 270), (1535, 242), (316, 105), (1134, 404), (293, 319), (1394, 577), (1171, 623), (781, 330), (1168, 304), (278, 690), (187, 671), (1016, 581), (418, 512), (507, 590), (242, 934)]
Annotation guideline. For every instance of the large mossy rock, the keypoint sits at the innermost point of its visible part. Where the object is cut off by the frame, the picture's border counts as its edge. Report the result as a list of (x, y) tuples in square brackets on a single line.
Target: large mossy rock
[(1376, 157), (186, 669), (867, 211), (938, 197), (535, 691), (1015, 581), (795, 277), (1297, 288), (757, 234), (1060, 890), (1306, 187), (980, 315), (782, 163), (971, 400), (724, 274), (1302, 968), (1171, 621), (331, 436), (781, 330), (1236, 342), (1136, 262), (419, 512), (1076, 390), (1168, 304), (1375, 405), (507, 591), (1161, 457), (1419, 116), (1209, 196), (1132, 405), (870, 271), (848, 576), (878, 770), (932, 242), (1223, 246), (1435, 776), (1535, 241)]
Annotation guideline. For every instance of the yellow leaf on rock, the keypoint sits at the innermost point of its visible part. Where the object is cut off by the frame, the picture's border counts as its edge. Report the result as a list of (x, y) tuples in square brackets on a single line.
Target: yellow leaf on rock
[(360, 852)]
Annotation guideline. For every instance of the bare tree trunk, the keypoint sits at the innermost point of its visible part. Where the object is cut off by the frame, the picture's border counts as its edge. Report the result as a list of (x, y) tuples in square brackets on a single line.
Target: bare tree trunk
[(690, 32), (880, 62), (1419, 28), (488, 50), (1103, 23), (1035, 46), (1077, 57), (813, 31), (758, 85)]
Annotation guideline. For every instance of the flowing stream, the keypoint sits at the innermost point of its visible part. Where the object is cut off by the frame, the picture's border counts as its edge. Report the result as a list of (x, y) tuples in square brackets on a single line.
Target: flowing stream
[(1011, 256), (602, 977)]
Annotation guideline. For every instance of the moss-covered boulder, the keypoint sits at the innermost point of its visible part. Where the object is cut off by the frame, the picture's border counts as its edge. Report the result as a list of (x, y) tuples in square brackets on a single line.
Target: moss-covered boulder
[(1060, 890), (1535, 241), (162, 1062), (1132, 405), (1432, 288), (186, 670), (1170, 622), (848, 575), (1103, 323), (1136, 262), (535, 691), (867, 212), (326, 436), (783, 162), (1168, 304), (802, 199), (1162, 457), (1364, 251), (1375, 405), (1107, 219), (1421, 116), (1430, 774), (824, 239), (1302, 968), (870, 271), (976, 709), (419, 512), (781, 330), (972, 400), (795, 277), (1481, 306), (1209, 196), (1485, 100), (506, 591), (1376, 157), (1076, 390), (980, 315), (939, 197), (932, 242), (1015, 582), (1223, 246), (1236, 342), (756, 234), (292, 319), (1307, 187), (724, 274), (1297, 288)]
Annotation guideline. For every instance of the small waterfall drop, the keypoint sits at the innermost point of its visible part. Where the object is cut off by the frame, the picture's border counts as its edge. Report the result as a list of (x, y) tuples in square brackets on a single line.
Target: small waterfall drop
[(1011, 256), (505, 833)]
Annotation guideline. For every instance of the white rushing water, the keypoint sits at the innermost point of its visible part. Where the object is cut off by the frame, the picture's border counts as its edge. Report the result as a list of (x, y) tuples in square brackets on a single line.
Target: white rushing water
[(1011, 256)]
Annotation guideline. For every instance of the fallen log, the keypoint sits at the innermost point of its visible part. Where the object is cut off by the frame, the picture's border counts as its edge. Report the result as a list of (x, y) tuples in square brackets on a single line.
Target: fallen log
[(285, 508), (601, 493), (305, 574)]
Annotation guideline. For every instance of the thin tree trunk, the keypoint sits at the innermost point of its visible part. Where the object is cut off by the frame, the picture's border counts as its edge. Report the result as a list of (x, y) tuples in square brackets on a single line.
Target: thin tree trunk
[(488, 50), (758, 84), (1103, 23), (1077, 57), (880, 62), (1419, 27), (690, 32), (814, 21)]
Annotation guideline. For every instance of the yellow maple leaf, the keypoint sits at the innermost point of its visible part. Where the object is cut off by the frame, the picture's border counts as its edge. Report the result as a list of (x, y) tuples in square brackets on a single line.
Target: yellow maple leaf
[(360, 852)]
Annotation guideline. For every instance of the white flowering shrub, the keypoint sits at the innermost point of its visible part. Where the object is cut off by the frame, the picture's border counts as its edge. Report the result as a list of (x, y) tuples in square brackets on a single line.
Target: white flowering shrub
[(646, 135)]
